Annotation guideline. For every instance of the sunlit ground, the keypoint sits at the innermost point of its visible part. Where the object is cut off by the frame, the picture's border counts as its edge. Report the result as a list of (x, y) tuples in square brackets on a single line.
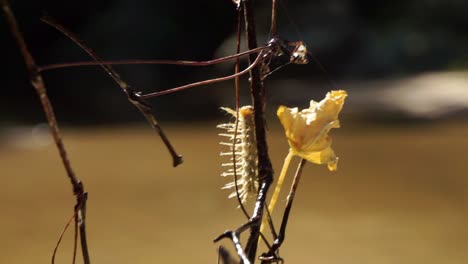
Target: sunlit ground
[(400, 196)]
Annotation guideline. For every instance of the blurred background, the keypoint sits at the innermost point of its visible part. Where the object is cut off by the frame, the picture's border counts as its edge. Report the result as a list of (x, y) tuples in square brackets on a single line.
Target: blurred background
[(400, 195)]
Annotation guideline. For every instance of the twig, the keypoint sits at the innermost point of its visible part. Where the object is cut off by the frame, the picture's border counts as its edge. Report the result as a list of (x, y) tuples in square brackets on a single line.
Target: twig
[(282, 233), (233, 235), (75, 244), (133, 97), (146, 62), (265, 169), (256, 60), (237, 88), (224, 257), (59, 241), (38, 83), (273, 29)]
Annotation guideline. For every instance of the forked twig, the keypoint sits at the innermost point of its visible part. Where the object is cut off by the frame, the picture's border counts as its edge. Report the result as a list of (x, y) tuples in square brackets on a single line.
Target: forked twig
[(133, 96), (38, 84)]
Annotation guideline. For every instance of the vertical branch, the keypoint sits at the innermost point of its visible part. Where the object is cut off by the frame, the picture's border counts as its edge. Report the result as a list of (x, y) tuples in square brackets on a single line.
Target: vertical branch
[(236, 128), (265, 169), (38, 83), (273, 30)]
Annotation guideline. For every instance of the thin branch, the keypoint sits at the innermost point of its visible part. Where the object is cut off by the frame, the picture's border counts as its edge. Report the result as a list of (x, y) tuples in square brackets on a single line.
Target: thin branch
[(210, 81), (239, 249), (265, 169), (282, 233), (234, 237), (270, 223), (276, 192), (150, 62), (224, 257), (75, 240), (133, 97), (273, 29), (80, 219), (59, 241), (278, 48), (237, 87), (38, 83)]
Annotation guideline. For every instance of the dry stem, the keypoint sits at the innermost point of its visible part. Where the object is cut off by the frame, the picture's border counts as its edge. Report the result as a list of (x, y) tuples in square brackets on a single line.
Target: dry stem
[(38, 83)]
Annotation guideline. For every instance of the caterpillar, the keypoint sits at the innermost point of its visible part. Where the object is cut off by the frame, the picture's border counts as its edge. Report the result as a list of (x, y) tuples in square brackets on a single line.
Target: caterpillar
[(243, 151)]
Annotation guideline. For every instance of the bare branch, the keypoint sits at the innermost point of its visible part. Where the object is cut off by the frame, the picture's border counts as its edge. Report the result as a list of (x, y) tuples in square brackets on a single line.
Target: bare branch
[(150, 62), (210, 81), (38, 83), (133, 96), (237, 88), (265, 169), (282, 233)]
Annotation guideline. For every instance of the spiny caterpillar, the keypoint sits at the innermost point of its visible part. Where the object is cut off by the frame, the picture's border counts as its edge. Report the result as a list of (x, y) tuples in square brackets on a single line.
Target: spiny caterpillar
[(243, 150)]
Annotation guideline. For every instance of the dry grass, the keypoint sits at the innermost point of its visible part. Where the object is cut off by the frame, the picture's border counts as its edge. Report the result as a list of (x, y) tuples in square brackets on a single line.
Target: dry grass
[(400, 196)]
